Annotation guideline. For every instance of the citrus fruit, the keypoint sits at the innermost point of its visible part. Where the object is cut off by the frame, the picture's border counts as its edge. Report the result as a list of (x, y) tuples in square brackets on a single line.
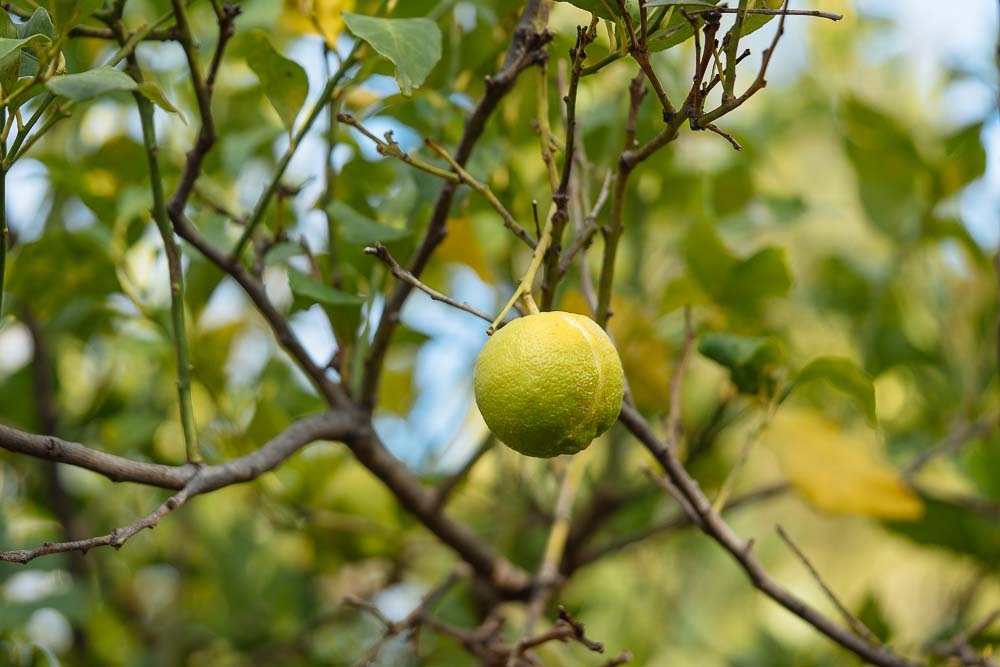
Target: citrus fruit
[(549, 383)]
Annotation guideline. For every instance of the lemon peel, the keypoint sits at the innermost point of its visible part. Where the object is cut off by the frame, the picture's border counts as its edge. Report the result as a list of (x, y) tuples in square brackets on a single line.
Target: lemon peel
[(549, 383)]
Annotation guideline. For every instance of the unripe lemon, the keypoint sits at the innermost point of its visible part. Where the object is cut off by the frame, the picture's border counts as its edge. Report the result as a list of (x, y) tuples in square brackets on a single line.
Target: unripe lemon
[(549, 383)]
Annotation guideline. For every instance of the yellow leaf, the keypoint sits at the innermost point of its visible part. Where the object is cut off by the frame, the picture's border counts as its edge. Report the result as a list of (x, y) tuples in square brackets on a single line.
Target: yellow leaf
[(837, 471), (323, 17)]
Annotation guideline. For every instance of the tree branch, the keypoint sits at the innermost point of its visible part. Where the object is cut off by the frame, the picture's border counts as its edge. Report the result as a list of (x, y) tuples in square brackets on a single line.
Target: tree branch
[(383, 254), (527, 48), (741, 551)]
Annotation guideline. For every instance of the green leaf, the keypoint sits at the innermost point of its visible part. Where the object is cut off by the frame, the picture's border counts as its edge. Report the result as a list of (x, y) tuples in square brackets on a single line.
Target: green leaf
[(283, 81), (754, 22), (153, 93), (413, 45), (90, 84), (357, 229), (738, 285), (844, 375), (39, 23), (605, 9), (67, 13), (312, 290), (893, 178), (762, 275), (671, 3), (964, 161), (750, 360), (675, 29), (10, 54), (708, 258)]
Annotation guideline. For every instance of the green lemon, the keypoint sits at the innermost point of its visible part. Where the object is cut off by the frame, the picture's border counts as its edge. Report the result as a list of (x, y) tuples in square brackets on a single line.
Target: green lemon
[(549, 383)]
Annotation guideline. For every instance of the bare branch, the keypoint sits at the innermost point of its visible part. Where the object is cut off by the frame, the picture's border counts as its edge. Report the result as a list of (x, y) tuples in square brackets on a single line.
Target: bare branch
[(526, 50), (771, 12), (740, 550), (680, 522), (116, 538), (383, 254), (958, 646), (335, 425)]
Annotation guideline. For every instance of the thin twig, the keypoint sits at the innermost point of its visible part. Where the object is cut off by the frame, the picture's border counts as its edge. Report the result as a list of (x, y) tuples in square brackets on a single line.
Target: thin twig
[(382, 253), (483, 189), (590, 228), (116, 538), (526, 50), (771, 12), (674, 421), (173, 255), (853, 621), (740, 550)]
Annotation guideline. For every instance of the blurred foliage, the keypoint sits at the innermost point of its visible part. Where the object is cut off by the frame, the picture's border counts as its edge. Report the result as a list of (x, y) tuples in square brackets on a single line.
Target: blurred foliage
[(844, 313)]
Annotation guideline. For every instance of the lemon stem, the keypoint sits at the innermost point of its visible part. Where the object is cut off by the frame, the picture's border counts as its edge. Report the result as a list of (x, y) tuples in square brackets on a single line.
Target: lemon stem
[(529, 304), (524, 287)]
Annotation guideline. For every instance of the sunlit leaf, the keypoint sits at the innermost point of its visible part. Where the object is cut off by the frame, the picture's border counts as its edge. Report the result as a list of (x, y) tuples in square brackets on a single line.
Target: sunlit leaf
[(316, 16), (358, 229), (283, 81), (309, 288), (90, 84), (413, 45), (154, 94)]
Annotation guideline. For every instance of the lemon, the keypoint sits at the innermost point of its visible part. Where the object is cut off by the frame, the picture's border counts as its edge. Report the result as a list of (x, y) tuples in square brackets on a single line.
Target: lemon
[(549, 383)]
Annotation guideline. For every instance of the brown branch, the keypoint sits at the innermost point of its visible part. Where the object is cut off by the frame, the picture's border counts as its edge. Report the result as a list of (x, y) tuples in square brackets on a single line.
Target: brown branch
[(741, 551), (547, 577), (958, 646), (254, 288), (566, 629), (552, 273), (483, 189), (116, 538), (680, 522), (413, 620), (382, 253), (204, 86), (959, 435), (334, 425), (586, 236), (527, 49), (771, 12), (758, 83)]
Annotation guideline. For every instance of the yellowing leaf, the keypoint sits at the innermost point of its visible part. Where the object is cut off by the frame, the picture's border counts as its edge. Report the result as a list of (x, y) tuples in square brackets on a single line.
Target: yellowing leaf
[(838, 471), (323, 17)]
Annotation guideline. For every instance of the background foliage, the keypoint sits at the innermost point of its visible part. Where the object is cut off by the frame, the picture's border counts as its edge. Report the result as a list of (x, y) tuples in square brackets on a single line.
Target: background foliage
[(838, 268)]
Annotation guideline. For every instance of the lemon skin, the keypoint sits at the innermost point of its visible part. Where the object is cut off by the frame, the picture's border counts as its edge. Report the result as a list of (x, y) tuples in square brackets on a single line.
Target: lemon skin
[(549, 383)]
